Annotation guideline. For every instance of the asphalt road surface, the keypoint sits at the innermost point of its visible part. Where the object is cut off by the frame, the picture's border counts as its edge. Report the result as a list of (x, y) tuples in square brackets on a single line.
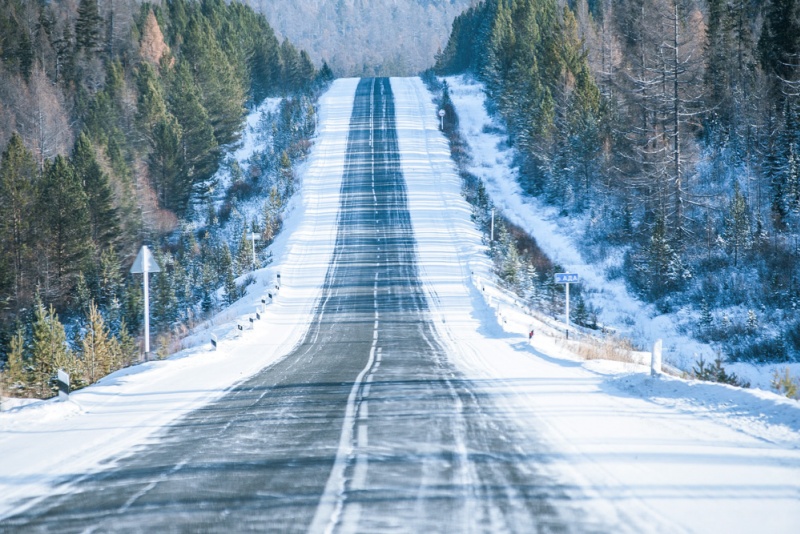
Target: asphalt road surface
[(365, 427)]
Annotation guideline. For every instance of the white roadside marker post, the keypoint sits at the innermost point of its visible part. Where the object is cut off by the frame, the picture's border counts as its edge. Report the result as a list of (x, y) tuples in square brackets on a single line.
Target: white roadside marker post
[(441, 118), (655, 361), (145, 263)]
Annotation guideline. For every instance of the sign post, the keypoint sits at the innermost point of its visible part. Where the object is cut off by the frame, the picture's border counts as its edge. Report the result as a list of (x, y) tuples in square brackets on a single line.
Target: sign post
[(145, 263), (567, 278), (441, 118), (252, 236)]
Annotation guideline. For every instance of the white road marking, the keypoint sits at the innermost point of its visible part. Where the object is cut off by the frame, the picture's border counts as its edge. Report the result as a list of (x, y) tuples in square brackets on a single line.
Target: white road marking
[(331, 503)]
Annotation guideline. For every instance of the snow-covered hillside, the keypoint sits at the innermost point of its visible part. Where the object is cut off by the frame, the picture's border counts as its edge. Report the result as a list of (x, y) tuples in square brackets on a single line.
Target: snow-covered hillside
[(493, 162)]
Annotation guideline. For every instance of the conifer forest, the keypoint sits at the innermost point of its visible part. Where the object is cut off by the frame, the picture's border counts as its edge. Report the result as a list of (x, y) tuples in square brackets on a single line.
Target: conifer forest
[(114, 120), (670, 127)]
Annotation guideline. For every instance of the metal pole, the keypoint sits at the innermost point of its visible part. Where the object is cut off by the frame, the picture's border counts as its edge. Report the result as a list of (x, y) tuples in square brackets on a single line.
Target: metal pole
[(253, 241), (146, 315), (567, 312)]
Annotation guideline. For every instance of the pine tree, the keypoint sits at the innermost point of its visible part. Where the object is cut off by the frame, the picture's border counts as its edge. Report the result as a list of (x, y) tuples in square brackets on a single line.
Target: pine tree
[(325, 74), (226, 264), (198, 144), (133, 305), (752, 321), (49, 351), (15, 377), (208, 286), (663, 266), (98, 351), (286, 176), (103, 215), (109, 278), (776, 179), (706, 319), (166, 164), (244, 253), (737, 224), (17, 198), (88, 26), (128, 351), (272, 216), (65, 230), (292, 71), (779, 44), (82, 294), (222, 92), (532, 286), (164, 300), (580, 314), (151, 106)]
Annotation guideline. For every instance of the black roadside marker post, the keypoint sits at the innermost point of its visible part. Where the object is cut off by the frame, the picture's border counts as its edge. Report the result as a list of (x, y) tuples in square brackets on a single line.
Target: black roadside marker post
[(63, 385), (214, 341)]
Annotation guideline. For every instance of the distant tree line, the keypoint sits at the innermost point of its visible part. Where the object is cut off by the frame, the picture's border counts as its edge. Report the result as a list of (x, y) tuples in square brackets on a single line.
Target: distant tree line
[(375, 38), (114, 117), (671, 128)]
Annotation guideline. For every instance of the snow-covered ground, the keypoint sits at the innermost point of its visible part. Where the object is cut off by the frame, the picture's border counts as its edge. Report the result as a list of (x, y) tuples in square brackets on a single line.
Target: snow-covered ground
[(639, 454), (642, 454), (493, 162)]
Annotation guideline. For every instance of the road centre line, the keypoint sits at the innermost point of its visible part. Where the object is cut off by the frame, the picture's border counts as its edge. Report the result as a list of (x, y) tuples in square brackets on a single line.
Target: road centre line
[(331, 502)]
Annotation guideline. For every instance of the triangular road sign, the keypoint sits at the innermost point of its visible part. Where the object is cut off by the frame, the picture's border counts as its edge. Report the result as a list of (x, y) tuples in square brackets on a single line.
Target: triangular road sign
[(145, 262)]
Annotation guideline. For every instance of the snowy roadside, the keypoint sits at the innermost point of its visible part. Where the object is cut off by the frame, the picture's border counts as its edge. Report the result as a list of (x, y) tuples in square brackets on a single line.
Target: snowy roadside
[(634, 453), (492, 162), (50, 442)]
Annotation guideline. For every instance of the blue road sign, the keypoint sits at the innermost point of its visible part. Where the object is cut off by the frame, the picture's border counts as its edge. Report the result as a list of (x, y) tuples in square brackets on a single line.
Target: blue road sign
[(567, 278)]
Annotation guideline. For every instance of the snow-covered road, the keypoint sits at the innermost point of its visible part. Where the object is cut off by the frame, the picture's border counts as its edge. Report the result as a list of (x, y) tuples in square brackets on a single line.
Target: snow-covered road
[(477, 424)]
